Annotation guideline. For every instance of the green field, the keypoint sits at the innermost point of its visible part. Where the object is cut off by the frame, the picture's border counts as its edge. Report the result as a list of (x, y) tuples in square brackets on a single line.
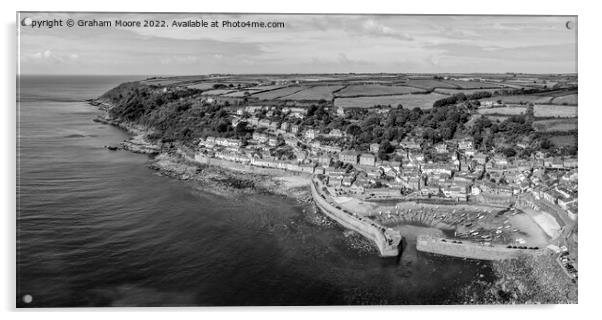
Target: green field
[(564, 140), (429, 84), (555, 125), (509, 111), (541, 110), (375, 90), (278, 93), (472, 84), (202, 85), (520, 99), (217, 92), (409, 101), (570, 99), (556, 111), (313, 93), (464, 91)]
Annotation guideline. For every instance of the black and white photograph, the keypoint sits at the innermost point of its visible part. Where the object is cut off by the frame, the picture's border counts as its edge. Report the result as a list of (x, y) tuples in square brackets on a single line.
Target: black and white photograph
[(238, 159)]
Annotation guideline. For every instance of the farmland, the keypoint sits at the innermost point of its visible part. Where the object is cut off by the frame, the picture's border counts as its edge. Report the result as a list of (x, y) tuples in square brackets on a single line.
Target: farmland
[(217, 92), (375, 90), (541, 110), (429, 84), (564, 140), (552, 125), (278, 93), (509, 111), (570, 99), (202, 85), (313, 93), (464, 91), (520, 99), (423, 101), (472, 84), (556, 111)]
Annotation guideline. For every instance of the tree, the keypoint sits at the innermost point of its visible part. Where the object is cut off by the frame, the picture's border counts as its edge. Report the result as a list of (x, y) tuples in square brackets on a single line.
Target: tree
[(353, 129)]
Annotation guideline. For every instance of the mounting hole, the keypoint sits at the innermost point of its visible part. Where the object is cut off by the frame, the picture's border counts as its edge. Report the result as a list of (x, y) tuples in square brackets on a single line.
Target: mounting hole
[(27, 298)]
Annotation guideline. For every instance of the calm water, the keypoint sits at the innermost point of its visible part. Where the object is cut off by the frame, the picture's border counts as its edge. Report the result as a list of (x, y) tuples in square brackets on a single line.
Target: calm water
[(98, 228)]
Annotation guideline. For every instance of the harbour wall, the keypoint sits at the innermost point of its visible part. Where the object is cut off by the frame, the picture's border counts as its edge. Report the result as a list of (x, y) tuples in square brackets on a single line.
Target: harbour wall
[(470, 250), (388, 246)]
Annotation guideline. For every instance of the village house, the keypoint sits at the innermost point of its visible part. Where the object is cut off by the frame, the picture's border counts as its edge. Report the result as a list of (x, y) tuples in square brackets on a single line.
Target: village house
[(285, 126), (340, 111), (348, 180), (301, 155), (409, 144), (325, 160), (572, 210), (294, 128), (209, 142), (470, 152), (430, 191), (480, 158), (570, 163), (225, 142), (437, 168), (349, 156), (253, 121), (260, 137), (335, 133), (310, 134), (273, 142), (374, 147), (367, 159), (500, 160), (331, 149), (263, 123), (441, 147), (253, 109), (465, 144)]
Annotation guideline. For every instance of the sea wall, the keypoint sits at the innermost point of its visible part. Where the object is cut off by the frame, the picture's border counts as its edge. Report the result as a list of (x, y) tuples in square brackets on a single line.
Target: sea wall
[(387, 241), (468, 249)]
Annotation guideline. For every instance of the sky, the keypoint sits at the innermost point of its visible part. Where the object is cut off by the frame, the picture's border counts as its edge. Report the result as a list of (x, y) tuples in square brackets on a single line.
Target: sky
[(306, 44)]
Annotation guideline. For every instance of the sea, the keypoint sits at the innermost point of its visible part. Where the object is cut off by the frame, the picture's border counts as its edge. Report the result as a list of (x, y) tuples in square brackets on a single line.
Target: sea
[(98, 228)]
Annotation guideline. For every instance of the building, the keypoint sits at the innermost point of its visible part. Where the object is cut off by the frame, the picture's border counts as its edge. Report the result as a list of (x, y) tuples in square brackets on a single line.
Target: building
[(335, 133), (374, 147), (367, 159), (480, 158), (325, 160), (263, 123), (311, 134), (465, 144), (441, 147), (273, 142), (285, 126), (294, 128), (225, 142), (340, 111), (260, 137), (349, 156)]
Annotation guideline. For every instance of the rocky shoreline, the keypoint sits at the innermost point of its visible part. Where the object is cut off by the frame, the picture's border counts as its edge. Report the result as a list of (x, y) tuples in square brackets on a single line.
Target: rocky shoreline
[(218, 180)]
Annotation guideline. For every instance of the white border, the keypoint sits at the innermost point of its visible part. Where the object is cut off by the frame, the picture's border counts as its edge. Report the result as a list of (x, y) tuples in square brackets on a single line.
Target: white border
[(590, 115)]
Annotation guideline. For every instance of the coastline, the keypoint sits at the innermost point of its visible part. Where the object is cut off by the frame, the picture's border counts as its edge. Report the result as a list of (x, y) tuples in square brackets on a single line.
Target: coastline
[(167, 160)]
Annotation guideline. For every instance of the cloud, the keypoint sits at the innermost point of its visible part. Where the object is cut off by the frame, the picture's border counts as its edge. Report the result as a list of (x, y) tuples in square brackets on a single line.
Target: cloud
[(373, 27), (49, 56), (179, 60)]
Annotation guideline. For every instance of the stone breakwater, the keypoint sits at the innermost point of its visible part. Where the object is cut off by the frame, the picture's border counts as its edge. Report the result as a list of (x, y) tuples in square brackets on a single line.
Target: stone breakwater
[(471, 250), (387, 240)]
